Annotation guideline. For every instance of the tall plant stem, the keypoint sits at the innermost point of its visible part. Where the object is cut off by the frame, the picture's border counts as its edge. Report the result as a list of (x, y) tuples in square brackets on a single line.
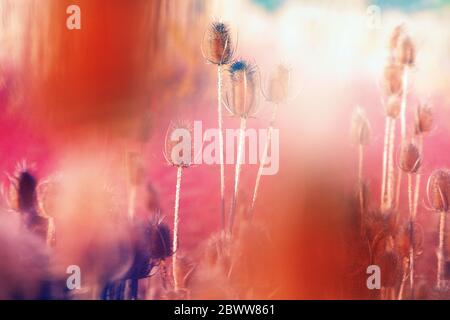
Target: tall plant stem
[(237, 172), (390, 171), (441, 252), (417, 188), (221, 156), (411, 234), (402, 130), (402, 285), (385, 157), (263, 159), (176, 220)]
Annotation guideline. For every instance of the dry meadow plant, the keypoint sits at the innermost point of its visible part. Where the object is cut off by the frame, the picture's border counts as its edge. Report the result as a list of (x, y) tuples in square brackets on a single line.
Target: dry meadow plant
[(244, 103), (219, 51), (438, 193), (410, 162), (361, 135), (179, 156), (403, 54), (276, 93)]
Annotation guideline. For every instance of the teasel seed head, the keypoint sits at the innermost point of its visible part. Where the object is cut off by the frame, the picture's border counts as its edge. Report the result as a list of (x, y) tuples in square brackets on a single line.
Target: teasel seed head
[(160, 241), (278, 86), (438, 190), (393, 106), (360, 128), (402, 48), (243, 79), (423, 119), (406, 52), (26, 191), (393, 79), (179, 144), (410, 158), (396, 34), (219, 44)]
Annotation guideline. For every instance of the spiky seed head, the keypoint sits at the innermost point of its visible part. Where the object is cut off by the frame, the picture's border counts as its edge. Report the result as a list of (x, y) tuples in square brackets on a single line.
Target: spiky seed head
[(406, 52), (402, 48), (393, 79), (396, 34), (243, 85), (278, 86), (360, 128), (179, 144), (26, 192), (410, 159), (438, 190), (424, 119), (219, 44), (160, 241), (393, 106)]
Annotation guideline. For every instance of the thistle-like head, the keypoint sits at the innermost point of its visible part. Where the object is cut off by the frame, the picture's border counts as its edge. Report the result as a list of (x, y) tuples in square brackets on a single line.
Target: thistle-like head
[(407, 52), (278, 85), (393, 79), (402, 48), (179, 144), (438, 190), (410, 158), (26, 191), (423, 119), (243, 78), (219, 47), (160, 241), (393, 106)]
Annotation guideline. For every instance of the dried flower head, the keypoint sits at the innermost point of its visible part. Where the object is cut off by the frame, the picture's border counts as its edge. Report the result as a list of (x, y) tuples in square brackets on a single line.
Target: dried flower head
[(26, 191), (393, 106), (424, 119), (243, 85), (179, 145), (278, 86), (438, 190), (393, 79), (360, 128), (218, 44), (396, 34), (410, 159), (406, 52), (160, 241), (401, 46)]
